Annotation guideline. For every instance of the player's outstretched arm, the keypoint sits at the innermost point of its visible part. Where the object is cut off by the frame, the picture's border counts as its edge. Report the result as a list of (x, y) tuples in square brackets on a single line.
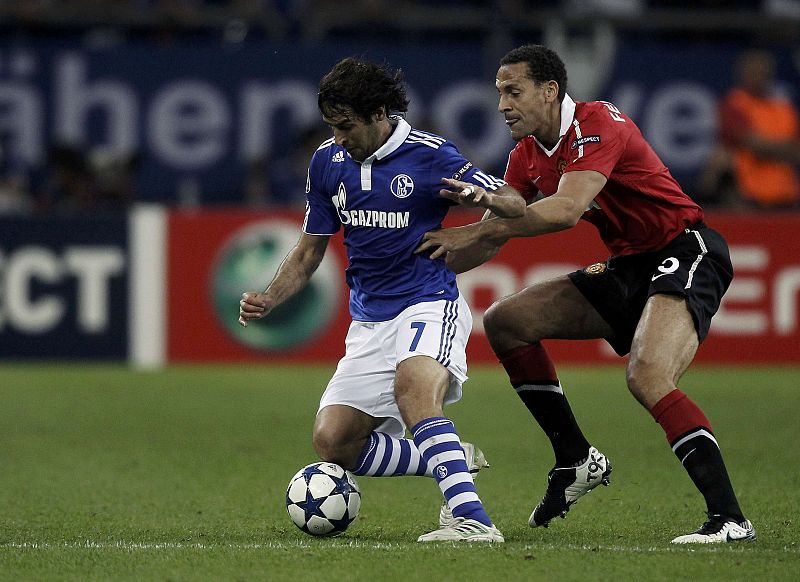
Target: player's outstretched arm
[(473, 256), (561, 211), (293, 274), (505, 201), (469, 258)]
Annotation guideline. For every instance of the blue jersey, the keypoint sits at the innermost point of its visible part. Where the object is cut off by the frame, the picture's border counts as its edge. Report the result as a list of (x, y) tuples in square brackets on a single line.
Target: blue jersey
[(385, 204)]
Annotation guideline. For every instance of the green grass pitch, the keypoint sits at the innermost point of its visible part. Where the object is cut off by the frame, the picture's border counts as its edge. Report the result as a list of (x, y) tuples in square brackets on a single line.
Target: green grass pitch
[(113, 474)]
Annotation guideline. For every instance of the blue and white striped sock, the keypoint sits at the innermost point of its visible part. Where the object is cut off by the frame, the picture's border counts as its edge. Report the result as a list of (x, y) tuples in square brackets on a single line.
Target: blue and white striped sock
[(386, 456), (439, 445)]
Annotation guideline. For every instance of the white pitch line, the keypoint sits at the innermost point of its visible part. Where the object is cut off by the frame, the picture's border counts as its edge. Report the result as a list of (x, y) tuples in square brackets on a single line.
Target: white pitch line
[(674, 549), (127, 545)]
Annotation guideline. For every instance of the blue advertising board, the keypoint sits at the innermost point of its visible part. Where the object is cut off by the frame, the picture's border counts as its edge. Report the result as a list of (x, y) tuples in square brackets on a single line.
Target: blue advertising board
[(199, 112), (64, 288)]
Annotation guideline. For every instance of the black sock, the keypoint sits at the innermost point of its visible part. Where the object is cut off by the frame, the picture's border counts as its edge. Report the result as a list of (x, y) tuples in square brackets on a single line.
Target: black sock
[(699, 454), (533, 376), (551, 410)]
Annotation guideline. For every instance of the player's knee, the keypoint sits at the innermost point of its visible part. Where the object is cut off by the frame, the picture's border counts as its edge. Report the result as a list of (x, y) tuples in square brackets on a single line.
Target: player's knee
[(636, 376), (327, 446), (332, 448), (496, 320), (646, 378)]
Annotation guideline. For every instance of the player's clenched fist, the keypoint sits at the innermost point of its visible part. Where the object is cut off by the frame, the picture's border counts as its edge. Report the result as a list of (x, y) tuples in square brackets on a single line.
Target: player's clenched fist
[(252, 306)]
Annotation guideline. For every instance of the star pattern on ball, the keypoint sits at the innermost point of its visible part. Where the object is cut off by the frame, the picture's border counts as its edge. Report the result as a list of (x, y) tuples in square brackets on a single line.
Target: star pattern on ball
[(311, 505), (323, 499)]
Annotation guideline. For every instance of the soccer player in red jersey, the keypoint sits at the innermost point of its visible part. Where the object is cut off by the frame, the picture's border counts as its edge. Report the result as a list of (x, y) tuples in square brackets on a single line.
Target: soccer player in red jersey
[(653, 298)]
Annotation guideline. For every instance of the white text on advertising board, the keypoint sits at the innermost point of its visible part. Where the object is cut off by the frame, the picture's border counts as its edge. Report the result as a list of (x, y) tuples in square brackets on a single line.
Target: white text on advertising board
[(89, 267), (760, 300)]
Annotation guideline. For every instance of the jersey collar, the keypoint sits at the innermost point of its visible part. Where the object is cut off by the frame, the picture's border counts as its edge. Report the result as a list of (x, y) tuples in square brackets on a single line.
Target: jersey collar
[(567, 116), (399, 135)]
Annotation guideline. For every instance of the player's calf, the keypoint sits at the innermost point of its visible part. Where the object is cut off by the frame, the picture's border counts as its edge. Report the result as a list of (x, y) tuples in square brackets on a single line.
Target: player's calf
[(476, 461)]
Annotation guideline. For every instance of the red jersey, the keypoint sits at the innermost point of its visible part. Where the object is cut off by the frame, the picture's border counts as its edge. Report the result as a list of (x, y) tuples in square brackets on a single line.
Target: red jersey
[(641, 208)]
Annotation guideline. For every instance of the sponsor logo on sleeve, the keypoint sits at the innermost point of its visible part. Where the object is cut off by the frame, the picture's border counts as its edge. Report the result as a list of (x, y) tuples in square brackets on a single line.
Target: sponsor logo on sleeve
[(584, 140), (462, 170)]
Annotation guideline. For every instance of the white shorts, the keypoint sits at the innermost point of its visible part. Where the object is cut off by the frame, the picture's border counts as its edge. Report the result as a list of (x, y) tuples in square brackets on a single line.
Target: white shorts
[(364, 377)]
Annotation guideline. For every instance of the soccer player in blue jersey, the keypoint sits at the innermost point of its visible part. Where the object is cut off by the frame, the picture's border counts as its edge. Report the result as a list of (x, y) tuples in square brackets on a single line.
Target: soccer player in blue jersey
[(387, 185)]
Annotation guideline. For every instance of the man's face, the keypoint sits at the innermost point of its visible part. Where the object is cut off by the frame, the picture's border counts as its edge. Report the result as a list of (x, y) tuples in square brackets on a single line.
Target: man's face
[(360, 138), (523, 102)]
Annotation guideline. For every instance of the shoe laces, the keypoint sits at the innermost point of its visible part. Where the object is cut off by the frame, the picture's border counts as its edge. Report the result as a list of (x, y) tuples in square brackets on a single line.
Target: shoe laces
[(714, 523)]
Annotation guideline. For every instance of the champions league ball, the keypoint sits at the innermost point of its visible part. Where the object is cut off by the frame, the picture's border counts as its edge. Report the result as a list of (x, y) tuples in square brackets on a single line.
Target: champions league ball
[(323, 499)]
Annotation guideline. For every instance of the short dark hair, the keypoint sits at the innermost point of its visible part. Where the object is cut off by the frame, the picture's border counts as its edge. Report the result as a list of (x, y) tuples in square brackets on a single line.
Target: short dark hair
[(362, 87), (543, 65)]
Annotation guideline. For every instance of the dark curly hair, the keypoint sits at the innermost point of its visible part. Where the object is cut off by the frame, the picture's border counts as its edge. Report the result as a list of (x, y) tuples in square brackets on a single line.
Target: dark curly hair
[(362, 87), (543, 65)]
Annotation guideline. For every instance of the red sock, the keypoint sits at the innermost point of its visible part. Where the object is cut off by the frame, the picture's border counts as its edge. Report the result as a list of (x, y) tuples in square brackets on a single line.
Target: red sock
[(529, 365), (677, 415)]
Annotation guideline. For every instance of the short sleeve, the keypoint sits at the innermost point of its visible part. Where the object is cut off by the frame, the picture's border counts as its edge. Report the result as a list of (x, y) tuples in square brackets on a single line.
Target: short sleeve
[(600, 140), (321, 216), (449, 163)]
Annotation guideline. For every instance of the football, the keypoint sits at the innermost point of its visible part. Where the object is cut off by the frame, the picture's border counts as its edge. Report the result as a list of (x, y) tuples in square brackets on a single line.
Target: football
[(323, 499)]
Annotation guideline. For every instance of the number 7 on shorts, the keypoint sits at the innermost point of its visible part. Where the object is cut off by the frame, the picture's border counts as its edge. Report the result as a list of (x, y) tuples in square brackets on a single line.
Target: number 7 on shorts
[(419, 326)]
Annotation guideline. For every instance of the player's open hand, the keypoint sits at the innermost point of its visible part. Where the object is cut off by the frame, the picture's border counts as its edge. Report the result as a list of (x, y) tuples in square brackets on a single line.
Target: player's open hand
[(252, 306), (445, 240), (466, 194)]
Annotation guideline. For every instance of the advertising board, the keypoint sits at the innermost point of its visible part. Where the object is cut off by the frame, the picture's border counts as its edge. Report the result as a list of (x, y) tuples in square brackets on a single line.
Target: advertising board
[(214, 256), (64, 288)]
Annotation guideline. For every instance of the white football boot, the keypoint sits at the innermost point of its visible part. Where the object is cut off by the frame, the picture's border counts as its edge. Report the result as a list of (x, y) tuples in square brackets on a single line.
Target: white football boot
[(464, 530), (475, 461), (719, 529)]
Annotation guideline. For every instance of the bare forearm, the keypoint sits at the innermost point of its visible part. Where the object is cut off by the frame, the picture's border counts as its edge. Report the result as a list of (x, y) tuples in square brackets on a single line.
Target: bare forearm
[(293, 274), (576, 192), (550, 214), (488, 235), (467, 259), (506, 203)]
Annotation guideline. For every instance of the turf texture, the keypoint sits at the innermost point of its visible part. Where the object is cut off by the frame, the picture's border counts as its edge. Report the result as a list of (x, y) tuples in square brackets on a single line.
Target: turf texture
[(112, 474)]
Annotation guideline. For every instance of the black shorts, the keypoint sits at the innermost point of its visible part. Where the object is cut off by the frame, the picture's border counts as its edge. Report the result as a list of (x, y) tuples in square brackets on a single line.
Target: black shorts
[(695, 265)]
